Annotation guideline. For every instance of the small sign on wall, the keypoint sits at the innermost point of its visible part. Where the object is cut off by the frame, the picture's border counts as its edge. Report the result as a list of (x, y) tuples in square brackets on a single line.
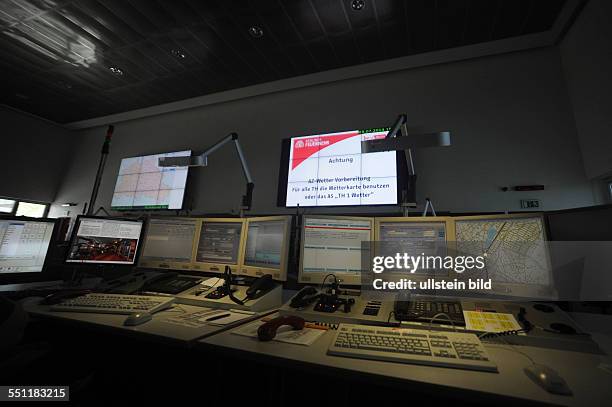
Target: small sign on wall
[(530, 204)]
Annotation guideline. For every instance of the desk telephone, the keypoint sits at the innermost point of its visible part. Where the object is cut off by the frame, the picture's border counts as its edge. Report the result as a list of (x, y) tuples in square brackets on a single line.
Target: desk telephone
[(256, 289)]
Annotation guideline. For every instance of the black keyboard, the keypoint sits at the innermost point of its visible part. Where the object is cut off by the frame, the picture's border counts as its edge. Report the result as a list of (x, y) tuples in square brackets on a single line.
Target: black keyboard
[(425, 310)]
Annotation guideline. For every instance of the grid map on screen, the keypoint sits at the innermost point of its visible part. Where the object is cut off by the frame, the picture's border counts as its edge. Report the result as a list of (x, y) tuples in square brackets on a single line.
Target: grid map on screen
[(142, 184)]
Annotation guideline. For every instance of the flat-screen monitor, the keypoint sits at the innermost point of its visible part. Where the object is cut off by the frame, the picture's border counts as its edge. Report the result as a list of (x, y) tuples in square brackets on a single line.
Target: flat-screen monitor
[(416, 236), (97, 240), (333, 245), (169, 243), (331, 170), (143, 185), (515, 249), (24, 244), (588, 224), (220, 244), (266, 247)]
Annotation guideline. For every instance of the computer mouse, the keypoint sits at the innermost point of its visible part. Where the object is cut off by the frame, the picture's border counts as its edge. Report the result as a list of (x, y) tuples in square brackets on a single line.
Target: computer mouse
[(548, 379), (137, 318)]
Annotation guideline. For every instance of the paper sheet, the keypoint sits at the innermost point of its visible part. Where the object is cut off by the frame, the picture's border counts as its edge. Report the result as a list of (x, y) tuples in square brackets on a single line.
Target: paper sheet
[(490, 321), (212, 282), (287, 334), (199, 319)]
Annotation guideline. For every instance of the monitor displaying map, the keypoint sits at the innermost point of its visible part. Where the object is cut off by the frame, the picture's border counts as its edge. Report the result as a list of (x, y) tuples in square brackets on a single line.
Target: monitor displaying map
[(514, 248), (143, 184)]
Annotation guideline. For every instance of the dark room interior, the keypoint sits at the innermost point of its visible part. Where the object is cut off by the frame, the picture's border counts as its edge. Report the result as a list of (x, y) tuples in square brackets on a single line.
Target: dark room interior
[(295, 202)]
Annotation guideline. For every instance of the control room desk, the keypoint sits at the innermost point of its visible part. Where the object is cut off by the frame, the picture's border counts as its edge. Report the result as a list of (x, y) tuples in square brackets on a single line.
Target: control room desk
[(155, 330), (592, 385)]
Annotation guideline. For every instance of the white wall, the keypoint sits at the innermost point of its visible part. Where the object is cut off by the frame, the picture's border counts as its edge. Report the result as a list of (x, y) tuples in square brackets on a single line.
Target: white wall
[(35, 154), (587, 63), (510, 118)]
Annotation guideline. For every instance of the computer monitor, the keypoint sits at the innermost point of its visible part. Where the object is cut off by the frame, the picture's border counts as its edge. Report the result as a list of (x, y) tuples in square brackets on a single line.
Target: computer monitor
[(105, 241), (331, 169), (333, 245), (220, 244), (143, 184), (267, 247), (416, 236), (515, 249), (169, 243), (24, 245)]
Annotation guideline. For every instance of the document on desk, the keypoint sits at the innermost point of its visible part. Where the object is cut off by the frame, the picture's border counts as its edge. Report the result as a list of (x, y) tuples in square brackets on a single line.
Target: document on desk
[(287, 334), (199, 319), (490, 321)]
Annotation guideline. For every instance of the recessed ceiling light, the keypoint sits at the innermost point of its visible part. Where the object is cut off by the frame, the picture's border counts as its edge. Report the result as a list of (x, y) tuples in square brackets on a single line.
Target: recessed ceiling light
[(178, 53), (117, 71), (256, 32), (358, 5)]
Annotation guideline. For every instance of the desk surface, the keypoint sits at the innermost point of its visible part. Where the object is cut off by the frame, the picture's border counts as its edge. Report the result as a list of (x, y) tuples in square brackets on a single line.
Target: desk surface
[(584, 372), (590, 383), (157, 328)]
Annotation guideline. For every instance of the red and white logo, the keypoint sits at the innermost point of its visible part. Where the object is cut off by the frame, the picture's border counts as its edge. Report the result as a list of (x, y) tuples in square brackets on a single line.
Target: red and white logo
[(305, 147)]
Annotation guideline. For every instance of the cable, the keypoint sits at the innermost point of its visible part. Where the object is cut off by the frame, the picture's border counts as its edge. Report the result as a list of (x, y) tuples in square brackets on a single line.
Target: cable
[(325, 279), (396, 324), (511, 348), (177, 307), (442, 314)]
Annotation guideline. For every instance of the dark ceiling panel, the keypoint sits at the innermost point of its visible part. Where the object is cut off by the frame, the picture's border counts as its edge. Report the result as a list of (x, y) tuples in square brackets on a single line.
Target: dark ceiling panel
[(450, 23), (304, 18), (57, 57), (481, 17), (421, 18), (331, 15)]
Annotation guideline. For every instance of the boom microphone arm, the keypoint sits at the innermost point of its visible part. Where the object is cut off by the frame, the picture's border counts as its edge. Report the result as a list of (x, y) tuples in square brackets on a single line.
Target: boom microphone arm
[(398, 139), (202, 161)]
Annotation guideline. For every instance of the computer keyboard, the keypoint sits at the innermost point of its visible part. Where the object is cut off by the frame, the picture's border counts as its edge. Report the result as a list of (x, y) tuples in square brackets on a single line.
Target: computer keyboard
[(435, 348), (114, 303)]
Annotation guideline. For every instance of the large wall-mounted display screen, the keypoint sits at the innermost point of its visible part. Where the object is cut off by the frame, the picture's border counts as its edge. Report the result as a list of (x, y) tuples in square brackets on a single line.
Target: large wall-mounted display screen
[(331, 170), (143, 184)]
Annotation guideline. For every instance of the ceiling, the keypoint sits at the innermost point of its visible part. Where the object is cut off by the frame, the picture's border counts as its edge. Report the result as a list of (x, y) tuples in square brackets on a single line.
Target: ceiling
[(58, 57)]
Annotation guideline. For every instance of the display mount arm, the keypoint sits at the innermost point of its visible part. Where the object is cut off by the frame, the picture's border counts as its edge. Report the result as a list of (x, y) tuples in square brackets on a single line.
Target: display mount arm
[(202, 161), (398, 139)]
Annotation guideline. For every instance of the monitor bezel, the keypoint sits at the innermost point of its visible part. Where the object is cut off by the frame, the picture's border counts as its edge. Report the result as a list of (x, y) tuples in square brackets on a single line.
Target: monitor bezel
[(34, 276), (518, 290), (212, 267), (450, 235), (279, 274), (317, 278), (168, 265), (401, 168), (75, 230)]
